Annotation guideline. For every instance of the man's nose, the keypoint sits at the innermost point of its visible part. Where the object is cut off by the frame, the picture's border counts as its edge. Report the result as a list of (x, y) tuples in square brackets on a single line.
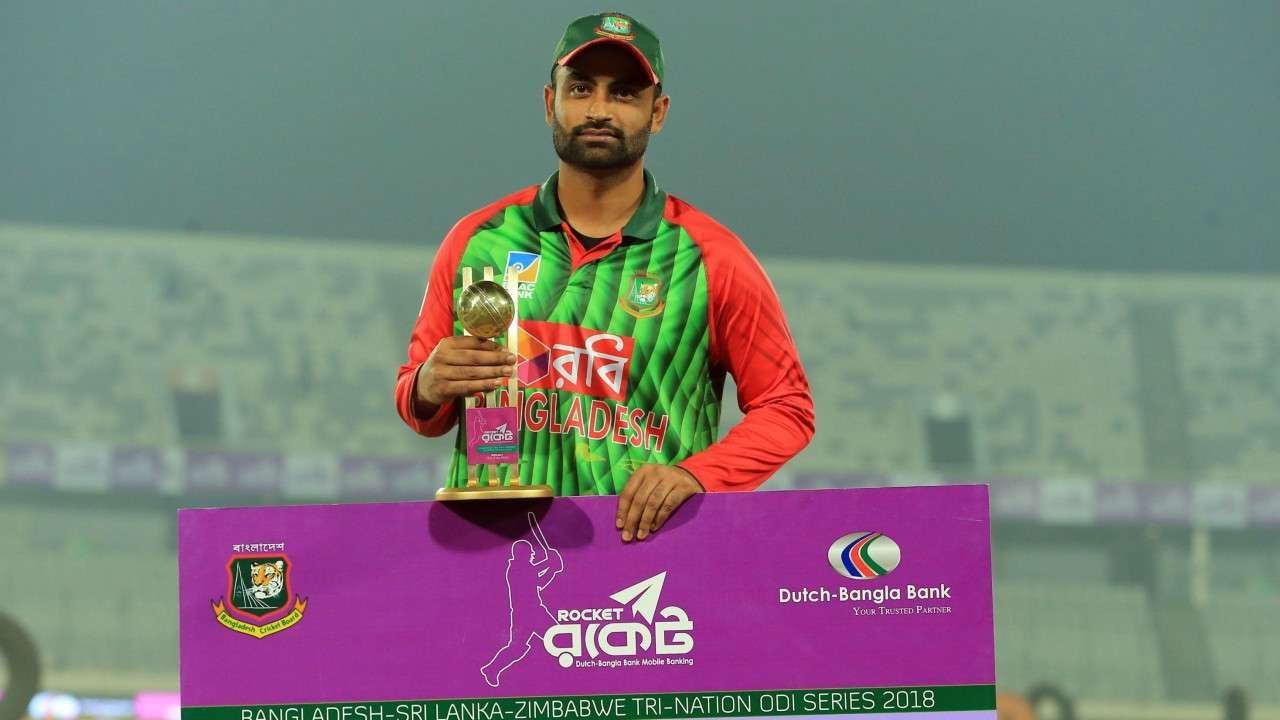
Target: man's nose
[(599, 108)]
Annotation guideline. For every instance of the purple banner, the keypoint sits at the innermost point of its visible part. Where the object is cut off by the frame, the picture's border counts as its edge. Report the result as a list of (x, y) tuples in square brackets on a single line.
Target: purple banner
[(859, 588)]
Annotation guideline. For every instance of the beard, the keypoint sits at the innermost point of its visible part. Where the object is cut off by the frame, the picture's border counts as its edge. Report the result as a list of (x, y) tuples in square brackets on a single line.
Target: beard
[(576, 150)]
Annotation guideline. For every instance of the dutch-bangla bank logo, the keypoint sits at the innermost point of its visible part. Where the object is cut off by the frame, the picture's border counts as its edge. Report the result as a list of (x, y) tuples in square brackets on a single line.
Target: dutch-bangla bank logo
[(864, 555)]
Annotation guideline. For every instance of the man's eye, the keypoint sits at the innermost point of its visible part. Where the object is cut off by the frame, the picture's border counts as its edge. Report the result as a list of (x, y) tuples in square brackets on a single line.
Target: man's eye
[(625, 93), (577, 88)]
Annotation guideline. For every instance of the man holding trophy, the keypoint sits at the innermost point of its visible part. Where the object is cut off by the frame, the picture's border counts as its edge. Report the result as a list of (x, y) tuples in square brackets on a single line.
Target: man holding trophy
[(578, 332)]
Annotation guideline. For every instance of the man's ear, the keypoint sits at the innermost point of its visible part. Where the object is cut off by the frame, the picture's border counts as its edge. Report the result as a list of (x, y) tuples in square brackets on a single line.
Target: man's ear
[(660, 107), (549, 102)]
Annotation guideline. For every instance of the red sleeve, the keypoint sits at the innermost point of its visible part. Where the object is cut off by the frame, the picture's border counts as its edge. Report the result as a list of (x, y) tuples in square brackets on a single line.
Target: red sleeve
[(750, 339), (435, 319)]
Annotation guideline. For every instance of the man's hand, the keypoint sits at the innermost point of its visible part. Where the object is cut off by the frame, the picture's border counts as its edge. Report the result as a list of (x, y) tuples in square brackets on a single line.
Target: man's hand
[(458, 366), (652, 493)]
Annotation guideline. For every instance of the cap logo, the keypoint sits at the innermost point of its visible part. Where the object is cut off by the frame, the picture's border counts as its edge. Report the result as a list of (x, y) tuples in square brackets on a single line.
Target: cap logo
[(615, 26)]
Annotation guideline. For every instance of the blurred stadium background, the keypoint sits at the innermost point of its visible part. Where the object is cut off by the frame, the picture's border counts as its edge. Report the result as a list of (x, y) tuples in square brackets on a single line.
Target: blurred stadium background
[(1027, 244)]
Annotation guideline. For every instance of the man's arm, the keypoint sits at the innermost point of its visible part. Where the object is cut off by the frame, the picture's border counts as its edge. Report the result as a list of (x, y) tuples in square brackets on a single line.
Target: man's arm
[(750, 339), (435, 322)]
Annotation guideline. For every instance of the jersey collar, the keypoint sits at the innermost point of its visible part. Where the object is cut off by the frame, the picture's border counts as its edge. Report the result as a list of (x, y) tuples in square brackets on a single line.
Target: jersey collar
[(643, 225)]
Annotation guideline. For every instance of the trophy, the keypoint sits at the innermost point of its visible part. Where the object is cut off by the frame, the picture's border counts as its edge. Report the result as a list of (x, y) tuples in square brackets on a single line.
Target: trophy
[(488, 310)]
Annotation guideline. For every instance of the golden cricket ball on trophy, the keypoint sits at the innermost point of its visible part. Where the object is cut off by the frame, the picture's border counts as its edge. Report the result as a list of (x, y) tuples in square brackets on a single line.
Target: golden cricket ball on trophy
[(486, 309)]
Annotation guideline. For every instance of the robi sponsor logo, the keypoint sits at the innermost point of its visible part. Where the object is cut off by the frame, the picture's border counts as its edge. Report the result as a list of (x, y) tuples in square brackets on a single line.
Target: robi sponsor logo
[(554, 356), (574, 381)]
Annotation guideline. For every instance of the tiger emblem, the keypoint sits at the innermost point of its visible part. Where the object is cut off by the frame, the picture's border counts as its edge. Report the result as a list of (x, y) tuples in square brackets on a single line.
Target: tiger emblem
[(259, 588), (268, 579)]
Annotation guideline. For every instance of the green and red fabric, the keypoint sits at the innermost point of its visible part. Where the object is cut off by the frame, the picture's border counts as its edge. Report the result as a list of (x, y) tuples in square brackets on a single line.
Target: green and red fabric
[(624, 347)]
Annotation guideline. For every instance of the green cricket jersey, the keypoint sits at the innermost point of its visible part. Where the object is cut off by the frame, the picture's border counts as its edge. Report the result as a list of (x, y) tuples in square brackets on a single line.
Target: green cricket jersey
[(623, 347)]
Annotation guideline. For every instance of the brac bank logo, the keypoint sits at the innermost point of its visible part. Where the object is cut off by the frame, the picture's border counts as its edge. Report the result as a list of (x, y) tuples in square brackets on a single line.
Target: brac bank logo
[(864, 555), (524, 266)]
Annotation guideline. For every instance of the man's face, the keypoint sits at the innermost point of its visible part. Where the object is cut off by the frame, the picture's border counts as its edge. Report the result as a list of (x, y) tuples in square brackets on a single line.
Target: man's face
[(602, 109)]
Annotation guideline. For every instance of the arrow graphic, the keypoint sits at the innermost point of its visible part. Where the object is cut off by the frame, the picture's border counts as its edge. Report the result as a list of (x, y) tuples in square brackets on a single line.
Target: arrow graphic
[(643, 596)]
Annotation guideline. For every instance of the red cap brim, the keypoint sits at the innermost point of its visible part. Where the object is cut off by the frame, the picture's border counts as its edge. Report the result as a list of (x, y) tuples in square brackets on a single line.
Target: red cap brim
[(635, 51)]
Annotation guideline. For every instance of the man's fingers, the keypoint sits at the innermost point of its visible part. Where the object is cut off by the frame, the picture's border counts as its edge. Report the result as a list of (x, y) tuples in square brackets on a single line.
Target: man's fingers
[(456, 356), (469, 342), (670, 504), (643, 481), (624, 497), (472, 372), (458, 388), (662, 489)]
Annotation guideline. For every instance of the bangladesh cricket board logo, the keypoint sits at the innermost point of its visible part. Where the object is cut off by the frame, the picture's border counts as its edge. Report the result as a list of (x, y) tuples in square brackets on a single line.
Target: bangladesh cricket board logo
[(642, 296), (260, 600), (615, 26)]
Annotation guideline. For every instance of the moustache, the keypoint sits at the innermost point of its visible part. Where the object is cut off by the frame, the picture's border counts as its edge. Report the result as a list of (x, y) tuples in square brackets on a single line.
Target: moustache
[(606, 128)]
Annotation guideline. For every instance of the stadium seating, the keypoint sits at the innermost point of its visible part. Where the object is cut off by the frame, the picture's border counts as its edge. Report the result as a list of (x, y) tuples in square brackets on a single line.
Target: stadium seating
[(1245, 632), (1091, 640), (305, 338), (1229, 344), (103, 590)]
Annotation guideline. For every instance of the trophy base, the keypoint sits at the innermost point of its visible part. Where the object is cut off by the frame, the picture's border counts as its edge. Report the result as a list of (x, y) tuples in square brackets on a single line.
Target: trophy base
[(484, 492)]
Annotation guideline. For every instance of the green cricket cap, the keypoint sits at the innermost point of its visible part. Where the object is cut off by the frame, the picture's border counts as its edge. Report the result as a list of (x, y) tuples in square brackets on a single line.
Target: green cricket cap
[(614, 28)]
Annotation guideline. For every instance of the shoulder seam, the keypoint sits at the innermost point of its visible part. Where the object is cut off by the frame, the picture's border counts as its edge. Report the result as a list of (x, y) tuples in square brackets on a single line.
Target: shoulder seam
[(718, 231), (474, 219)]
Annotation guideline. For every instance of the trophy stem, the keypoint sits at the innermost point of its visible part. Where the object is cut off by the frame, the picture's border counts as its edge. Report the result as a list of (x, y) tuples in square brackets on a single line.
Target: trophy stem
[(472, 480), (513, 342), (491, 399)]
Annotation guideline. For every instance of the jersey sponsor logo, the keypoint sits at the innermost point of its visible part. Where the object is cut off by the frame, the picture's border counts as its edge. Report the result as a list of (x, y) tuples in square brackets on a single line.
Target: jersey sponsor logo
[(534, 356), (555, 356), (525, 266), (643, 296)]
